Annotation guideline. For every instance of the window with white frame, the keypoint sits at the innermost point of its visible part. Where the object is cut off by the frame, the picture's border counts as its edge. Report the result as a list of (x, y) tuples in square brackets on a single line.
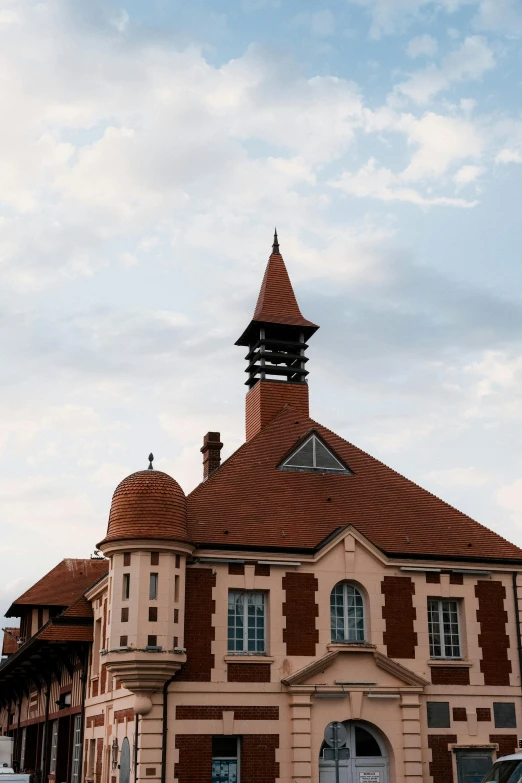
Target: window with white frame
[(347, 613), (54, 747), (246, 621), (443, 628), (77, 749)]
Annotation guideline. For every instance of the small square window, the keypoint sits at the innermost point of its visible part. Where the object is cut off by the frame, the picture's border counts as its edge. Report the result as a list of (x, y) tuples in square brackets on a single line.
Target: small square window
[(152, 641), (505, 715), (153, 614), (438, 714), (123, 641)]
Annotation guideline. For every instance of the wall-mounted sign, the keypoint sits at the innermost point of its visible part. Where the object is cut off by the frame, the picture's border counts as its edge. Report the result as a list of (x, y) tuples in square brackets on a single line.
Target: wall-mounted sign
[(369, 777)]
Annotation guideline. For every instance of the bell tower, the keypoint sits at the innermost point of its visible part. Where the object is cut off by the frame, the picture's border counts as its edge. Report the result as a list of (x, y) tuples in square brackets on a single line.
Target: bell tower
[(276, 339)]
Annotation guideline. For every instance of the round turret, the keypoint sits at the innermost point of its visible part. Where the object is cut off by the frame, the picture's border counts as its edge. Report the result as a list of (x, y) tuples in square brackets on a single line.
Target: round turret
[(148, 504)]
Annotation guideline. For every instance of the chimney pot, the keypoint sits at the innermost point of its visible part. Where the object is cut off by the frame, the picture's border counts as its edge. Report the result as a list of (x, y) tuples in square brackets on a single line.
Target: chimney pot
[(211, 453)]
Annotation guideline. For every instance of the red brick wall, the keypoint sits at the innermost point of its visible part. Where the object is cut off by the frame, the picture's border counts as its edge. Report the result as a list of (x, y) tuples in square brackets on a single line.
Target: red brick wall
[(267, 398), (450, 675), (248, 672), (195, 758), (103, 678), (258, 764), (432, 578), (211, 712), (493, 639), (459, 713), (300, 609), (199, 633), (236, 569), (441, 766), (120, 715), (95, 720), (456, 579), (99, 758), (94, 688), (399, 637), (507, 743), (262, 569), (483, 713)]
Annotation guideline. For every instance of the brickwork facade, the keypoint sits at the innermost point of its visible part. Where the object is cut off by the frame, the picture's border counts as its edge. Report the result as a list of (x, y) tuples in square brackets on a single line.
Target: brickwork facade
[(300, 610), (493, 640), (400, 638), (199, 631)]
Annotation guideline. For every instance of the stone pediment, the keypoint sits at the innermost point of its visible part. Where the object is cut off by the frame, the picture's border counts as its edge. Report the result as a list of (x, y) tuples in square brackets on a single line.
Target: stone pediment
[(353, 665)]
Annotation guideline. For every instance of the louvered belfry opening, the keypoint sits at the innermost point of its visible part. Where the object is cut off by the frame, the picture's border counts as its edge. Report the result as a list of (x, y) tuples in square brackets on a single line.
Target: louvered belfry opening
[(276, 352)]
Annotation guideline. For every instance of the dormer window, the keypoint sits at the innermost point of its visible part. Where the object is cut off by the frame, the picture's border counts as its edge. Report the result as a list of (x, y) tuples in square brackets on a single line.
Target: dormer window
[(314, 455)]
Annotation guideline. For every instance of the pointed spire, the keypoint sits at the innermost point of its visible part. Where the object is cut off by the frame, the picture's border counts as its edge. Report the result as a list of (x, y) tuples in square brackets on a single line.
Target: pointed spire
[(275, 245)]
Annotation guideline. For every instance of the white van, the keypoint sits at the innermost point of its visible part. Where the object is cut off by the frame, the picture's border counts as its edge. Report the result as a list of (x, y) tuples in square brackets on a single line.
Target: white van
[(508, 769)]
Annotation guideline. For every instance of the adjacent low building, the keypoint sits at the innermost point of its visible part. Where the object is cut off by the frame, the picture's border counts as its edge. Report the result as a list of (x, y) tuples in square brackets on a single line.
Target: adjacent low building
[(302, 582)]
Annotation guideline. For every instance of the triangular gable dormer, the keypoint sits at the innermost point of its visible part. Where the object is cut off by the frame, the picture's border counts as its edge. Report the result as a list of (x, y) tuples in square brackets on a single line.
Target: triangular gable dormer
[(314, 455)]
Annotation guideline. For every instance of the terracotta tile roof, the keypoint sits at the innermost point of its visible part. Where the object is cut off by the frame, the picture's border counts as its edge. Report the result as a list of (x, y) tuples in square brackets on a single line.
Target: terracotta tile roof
[(276, 303), (62, 585), (148, 504), (80, 608), (66, 633), (9, 645), (261, 506)]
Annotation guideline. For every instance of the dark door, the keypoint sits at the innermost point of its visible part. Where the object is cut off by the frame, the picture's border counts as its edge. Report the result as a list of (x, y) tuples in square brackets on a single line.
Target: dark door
[(125, 761), (472, 765), (63, 749)]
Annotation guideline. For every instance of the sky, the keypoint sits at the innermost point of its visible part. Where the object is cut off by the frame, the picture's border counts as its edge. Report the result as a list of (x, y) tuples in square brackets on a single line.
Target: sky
[(147, 150)]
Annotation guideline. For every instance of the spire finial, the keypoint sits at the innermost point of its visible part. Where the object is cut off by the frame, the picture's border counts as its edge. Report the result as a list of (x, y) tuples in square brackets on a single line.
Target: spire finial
[(275, 246), (151, 459)]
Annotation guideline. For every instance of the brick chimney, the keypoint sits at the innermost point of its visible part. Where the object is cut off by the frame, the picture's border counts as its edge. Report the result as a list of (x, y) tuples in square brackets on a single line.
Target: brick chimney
[(267, 398), (211, 451)]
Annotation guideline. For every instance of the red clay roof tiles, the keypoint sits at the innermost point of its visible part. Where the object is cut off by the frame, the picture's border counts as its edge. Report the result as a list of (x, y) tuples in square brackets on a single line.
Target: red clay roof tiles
[(62, 585), (248, 502), (148, 504), (10, 645), (276, 303)]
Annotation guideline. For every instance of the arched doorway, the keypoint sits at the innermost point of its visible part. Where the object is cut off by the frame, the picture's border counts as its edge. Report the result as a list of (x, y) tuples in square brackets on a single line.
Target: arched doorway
[(125, 761), (362, 759)]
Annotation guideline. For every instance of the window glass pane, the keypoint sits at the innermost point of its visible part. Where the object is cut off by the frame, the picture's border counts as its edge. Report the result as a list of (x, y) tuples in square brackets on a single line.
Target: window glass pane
[(126, 586), (347, 613), (153, 587), (438, 714), (365, 743), (224, 771), (325, 459), (443, 628), (246, 621), (337, 613), (224, 747), (303, 457), (505, 715), (54, 743)]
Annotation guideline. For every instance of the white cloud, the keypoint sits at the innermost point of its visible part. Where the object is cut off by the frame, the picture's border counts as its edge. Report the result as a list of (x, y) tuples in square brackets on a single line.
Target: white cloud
[(388, 16), (467, 174), (422, 46), (509, 497), (504, 16), (508, 155), (467, 63)]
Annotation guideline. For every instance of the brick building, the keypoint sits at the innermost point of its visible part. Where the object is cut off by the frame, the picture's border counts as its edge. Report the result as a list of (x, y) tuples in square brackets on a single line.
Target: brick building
[(302, 582)]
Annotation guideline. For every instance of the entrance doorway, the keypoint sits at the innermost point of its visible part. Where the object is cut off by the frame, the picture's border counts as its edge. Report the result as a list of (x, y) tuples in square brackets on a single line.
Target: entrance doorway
[(362, 759), (125, 761)]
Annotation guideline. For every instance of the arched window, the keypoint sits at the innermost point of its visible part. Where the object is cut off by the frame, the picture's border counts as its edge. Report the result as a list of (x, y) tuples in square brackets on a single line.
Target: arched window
[(347, 613)]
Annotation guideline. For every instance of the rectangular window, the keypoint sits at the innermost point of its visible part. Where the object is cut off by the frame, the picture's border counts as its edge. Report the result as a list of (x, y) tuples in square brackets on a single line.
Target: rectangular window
[(126, 558), (443, 628), (225, 759), (124, 641), (152, 641), (54, 746), (178, 561), (176, 589), (153, 587), (92, 756), (77, 748), (125, 614), (22, 748), (505, 715), (126, 587), (153, 614), (246, 621), (438, 714), (154, 558)]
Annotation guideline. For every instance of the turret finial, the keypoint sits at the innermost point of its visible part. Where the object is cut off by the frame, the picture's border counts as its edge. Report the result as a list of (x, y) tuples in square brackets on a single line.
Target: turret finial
[(151, 459), (275, 246)]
